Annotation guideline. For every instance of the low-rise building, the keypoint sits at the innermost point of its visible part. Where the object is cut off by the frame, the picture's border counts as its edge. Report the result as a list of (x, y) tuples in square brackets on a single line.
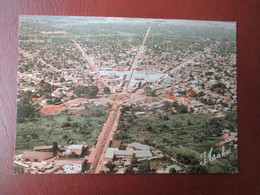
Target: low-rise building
[(77, 149), (36, 156), (70, 166), (137, 146), (44, 148)]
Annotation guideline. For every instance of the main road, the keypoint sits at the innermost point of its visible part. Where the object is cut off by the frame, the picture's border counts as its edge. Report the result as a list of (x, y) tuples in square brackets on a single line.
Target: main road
[(96, 157), (137, 57)]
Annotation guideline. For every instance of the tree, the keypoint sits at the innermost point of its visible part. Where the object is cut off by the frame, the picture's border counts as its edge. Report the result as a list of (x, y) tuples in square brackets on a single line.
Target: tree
[(172, 170), (91, 91), (109, 105), (175, 104), (55, 148), (26, 109), (62, 80), (18, 169), (133, 159), (219, 88), (197, 169), (150, 129), (166, 105), (152, 93), (106, 90), (182, 109), (165, 117), (129, 170), (144, 167), (139, 85), (147, 90), (111, 166)]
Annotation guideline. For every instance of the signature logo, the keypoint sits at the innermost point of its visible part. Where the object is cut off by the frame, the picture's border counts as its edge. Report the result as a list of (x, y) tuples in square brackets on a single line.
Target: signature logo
[(208, 157)]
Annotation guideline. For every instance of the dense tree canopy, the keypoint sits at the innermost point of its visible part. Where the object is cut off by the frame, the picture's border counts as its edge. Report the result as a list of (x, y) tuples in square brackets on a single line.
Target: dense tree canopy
[(26, 109), (89, 92), (106, 90)]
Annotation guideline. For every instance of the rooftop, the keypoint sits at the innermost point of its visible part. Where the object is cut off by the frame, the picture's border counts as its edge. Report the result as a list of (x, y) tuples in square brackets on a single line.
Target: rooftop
[(139, 146), (67, 161), (75, 147), (37, 155), (42, 148)]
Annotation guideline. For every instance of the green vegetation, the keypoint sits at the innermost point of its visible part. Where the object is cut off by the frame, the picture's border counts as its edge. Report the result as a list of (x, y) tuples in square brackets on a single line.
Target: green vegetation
[(145, 167), (55, 101), (26, 109), (111, 166), (219, 88), (106, 90), (18, 169), (172, 170), (89, 92), (55, 148), (63, 128), (183, 137)]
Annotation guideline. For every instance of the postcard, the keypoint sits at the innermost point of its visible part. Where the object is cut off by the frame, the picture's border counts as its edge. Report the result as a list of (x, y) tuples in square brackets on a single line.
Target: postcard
[(107, 95)]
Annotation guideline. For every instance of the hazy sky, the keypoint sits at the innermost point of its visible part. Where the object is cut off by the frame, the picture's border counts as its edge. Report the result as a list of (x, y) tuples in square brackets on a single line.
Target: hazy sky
[(82, 19)]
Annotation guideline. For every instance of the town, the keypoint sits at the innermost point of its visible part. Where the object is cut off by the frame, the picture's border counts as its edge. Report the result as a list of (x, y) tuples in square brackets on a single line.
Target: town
[(122, 80)]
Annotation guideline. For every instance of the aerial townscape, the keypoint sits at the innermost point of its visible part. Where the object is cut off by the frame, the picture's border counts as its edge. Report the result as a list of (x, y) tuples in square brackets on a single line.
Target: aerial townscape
[(125, 95)]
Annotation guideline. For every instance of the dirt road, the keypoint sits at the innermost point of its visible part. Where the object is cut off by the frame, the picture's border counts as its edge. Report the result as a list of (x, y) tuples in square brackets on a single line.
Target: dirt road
[(137, 57), (98, 152), (93, 66)]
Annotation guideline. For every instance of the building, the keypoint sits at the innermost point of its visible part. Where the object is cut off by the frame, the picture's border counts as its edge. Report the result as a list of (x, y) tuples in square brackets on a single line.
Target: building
[(77, 149), (70, 166), (141, 151), (137, 146), (36, 156), (129, 153), (110, 153), (43, 148)]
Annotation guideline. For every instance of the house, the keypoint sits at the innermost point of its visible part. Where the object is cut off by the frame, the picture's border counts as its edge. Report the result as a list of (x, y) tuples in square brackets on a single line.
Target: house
[(36, 156)]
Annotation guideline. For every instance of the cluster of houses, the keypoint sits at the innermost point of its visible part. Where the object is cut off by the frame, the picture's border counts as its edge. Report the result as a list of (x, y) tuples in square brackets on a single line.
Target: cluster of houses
[(122, 158), (69, 159)]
